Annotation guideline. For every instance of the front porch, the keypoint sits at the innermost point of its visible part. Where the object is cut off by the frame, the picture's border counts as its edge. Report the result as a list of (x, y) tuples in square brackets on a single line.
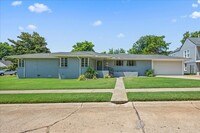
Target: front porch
[(104, 67)]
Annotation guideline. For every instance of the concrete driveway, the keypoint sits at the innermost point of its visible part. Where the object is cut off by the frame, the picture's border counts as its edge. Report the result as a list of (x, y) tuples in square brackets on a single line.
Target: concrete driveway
[(196, 77), (137, 117)]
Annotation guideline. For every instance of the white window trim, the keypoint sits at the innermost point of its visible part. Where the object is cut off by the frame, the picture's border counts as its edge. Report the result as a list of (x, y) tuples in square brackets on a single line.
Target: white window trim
[(134, 63), (120, 61), (84, 62), (61, 59), (20, 63), (186, 53)]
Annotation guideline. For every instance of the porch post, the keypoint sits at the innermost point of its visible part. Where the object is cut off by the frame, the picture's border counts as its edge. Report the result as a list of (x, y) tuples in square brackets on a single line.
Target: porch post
[(152, 64)]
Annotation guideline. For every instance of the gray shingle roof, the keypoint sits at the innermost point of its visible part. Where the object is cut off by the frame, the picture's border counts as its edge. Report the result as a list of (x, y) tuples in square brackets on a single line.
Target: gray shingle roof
[(95, 55), (6, 63), (81, 53), (141, 56), (196, 41), (176, 50)]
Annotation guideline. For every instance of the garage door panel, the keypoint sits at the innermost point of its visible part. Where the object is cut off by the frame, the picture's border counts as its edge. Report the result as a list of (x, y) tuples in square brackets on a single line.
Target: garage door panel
[(167, 67)]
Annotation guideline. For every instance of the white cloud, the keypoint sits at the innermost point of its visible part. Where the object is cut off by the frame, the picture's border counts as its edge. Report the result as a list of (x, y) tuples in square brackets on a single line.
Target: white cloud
[(38, 8), (195, 15), (195, 5), (120, 35), (97, 23), (21, 28), (198, 1), (16, 3), (31, 27), (174, 20)]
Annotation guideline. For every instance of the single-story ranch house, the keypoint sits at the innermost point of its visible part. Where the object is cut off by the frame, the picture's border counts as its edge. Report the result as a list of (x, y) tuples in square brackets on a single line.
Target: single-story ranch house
[(72, 64)]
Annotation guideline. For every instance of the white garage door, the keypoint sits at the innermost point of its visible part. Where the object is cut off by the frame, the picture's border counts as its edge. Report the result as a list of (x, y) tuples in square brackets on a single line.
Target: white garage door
[(168, 67)]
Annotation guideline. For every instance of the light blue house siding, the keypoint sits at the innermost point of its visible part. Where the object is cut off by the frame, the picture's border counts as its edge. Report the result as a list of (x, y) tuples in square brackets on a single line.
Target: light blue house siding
[(141, 67), (72, 70), (41, 68), (20, 72), (48, 68)]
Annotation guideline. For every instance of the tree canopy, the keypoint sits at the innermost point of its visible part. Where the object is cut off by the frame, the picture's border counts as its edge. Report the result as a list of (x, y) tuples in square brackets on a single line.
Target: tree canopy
[(5, 49), (83, 46), (116, 51), (150, 44), (28, 44), (188, 34)]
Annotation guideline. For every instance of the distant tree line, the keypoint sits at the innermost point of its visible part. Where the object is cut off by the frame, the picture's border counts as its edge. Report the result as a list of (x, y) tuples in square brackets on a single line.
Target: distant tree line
[(27, 43)]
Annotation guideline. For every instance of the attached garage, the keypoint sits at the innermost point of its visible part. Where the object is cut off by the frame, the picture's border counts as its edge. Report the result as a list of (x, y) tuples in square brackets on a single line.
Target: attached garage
[(167, 67)]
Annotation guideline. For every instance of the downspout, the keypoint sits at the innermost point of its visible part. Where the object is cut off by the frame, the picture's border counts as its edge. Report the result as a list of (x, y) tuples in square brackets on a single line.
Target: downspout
[(17, 67), (24, 68), (79, 65)]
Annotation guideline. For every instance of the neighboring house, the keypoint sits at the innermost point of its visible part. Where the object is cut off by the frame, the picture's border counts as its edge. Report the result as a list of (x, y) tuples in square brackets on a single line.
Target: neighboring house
[(190, 50), (4, 64), (72, 64)]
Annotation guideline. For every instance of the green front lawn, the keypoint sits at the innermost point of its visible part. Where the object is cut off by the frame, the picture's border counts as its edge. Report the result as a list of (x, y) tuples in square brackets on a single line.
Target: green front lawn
[(13, 83), (158, 82), (55, 98), (163, 96)]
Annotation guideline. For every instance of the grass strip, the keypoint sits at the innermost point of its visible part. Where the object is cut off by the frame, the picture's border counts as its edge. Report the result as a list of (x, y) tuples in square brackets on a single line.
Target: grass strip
[(163, 96), (55, 97)]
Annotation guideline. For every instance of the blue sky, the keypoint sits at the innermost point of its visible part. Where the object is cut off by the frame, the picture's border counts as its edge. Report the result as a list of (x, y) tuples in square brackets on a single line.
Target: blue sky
[(106, 23)]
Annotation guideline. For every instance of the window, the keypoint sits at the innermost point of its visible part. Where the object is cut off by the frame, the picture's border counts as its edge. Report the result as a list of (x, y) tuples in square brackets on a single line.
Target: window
[(21, 63), (63, 62), (131, 63), (84, 62), (185, 67), (119, 63), (186, 54)]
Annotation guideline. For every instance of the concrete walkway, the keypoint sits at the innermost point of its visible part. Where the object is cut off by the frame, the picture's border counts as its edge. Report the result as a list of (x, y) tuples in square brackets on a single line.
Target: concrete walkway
[(162, 89), (56, 91), (119, 94)]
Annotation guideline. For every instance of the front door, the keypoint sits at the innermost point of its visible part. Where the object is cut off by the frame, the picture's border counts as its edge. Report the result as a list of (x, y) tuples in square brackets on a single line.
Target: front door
[(99, 65)]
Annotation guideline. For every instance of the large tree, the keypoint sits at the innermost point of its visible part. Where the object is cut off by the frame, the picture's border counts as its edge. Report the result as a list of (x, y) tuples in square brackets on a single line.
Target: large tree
[(188, 34), (150, 44), (28, 44), (5, 49), (116, 51), (83, 46)]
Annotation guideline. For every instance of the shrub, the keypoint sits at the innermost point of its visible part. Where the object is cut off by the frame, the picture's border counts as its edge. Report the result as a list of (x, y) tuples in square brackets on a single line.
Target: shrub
[(81, 78), (90, 73), (94, 77), (12, 67), (150, 73), (107, 76)]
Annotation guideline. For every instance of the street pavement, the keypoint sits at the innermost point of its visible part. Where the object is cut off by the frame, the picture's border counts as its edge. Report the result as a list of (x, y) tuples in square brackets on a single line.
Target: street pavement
[(132, 117)]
